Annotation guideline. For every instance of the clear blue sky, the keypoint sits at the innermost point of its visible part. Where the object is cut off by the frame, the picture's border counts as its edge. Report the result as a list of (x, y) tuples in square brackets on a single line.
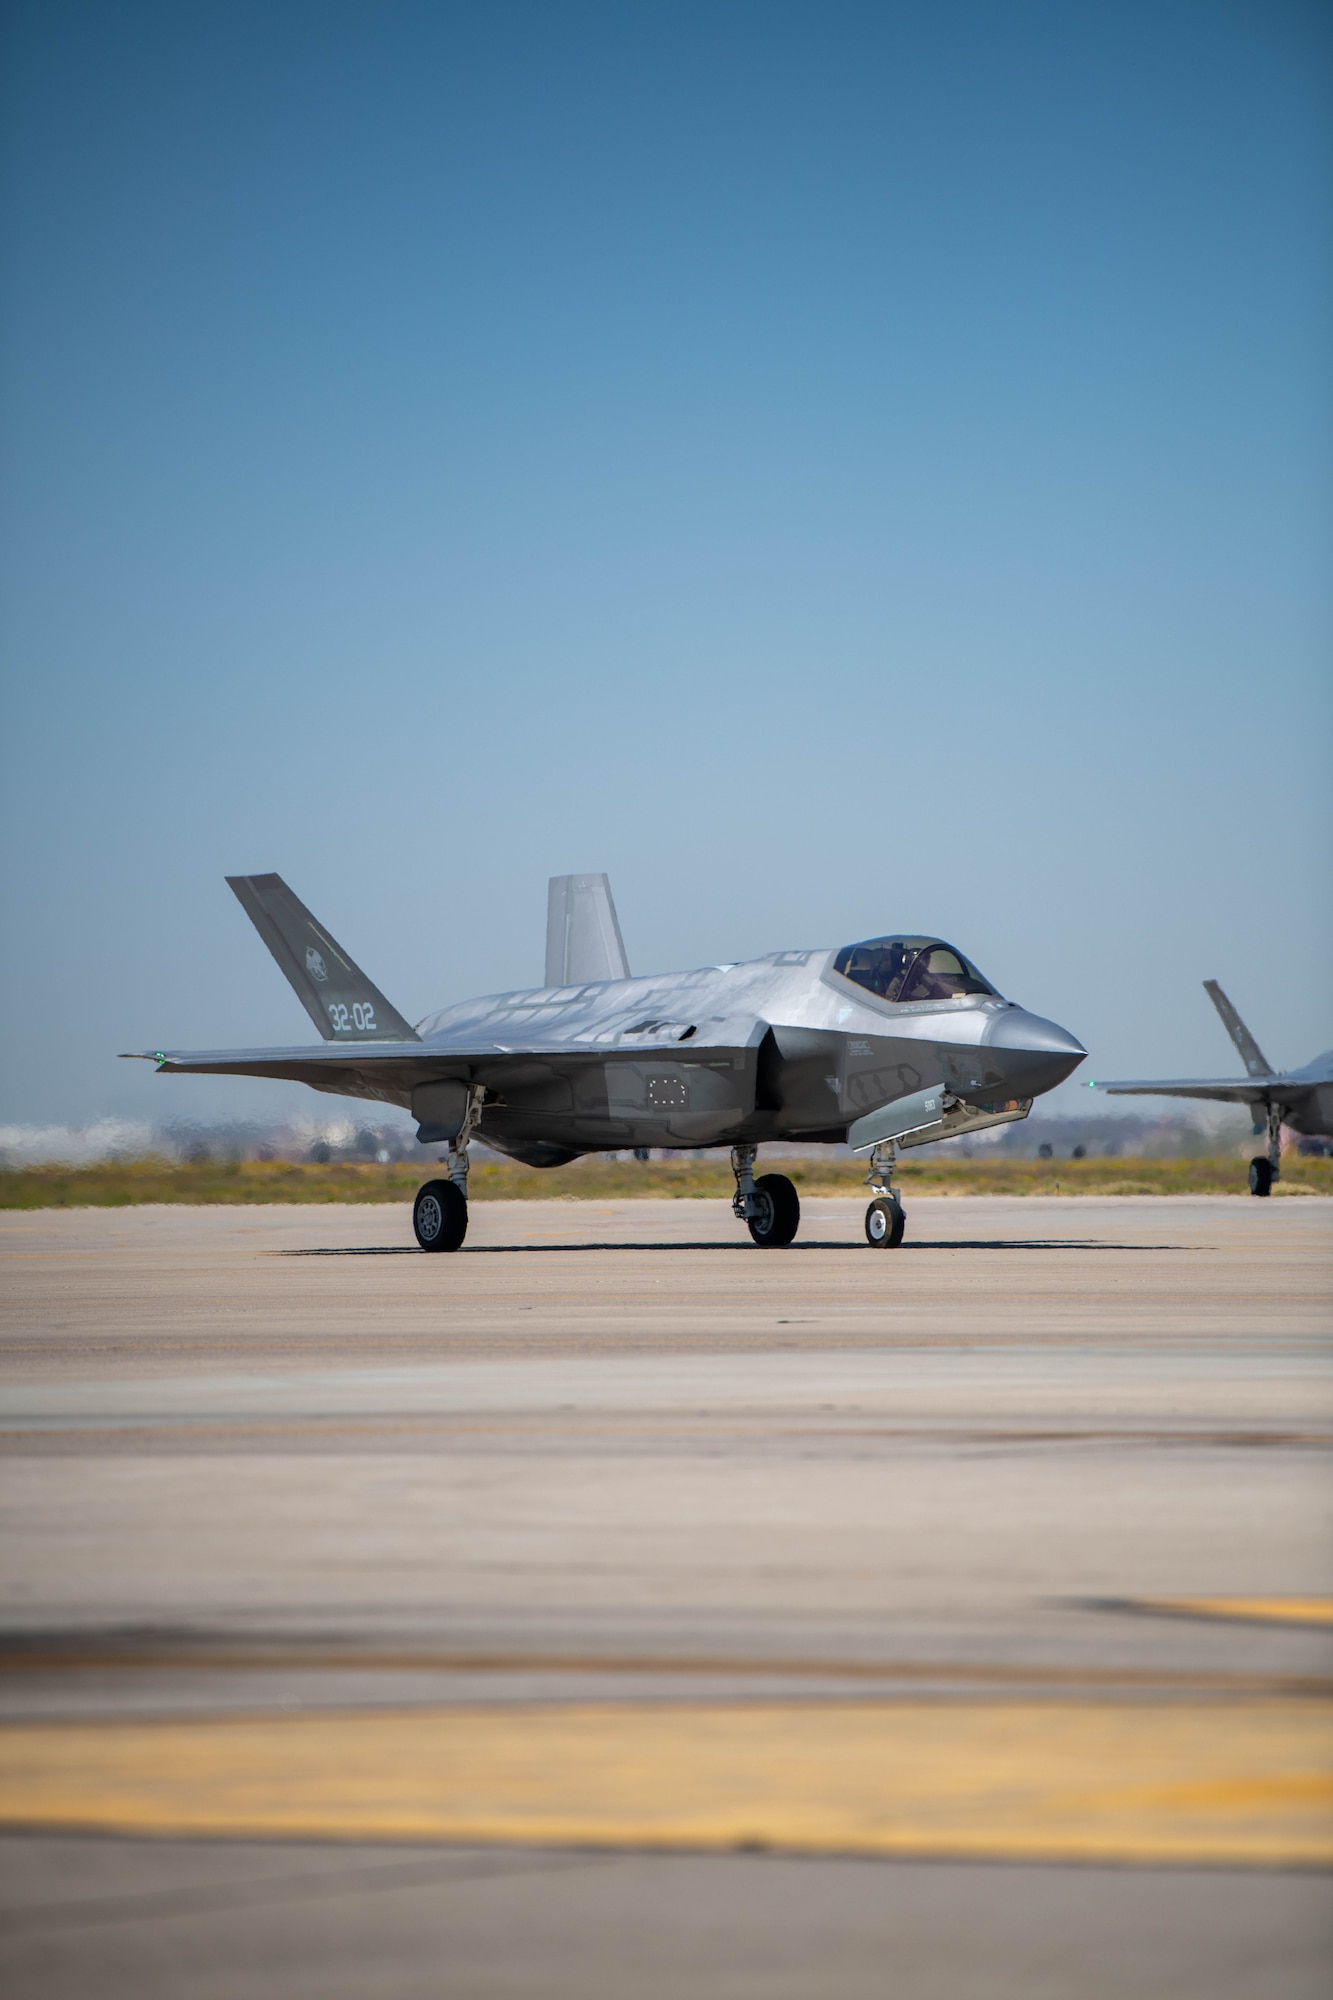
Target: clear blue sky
[(840, 468)]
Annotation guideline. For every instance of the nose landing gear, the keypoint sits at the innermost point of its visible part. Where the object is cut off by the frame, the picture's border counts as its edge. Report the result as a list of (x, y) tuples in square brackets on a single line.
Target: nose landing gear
[(885, 1223), (885, 1220)]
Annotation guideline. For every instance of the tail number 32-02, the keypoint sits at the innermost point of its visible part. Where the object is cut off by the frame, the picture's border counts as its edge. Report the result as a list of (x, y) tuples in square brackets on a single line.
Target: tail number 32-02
[(344, 1020)]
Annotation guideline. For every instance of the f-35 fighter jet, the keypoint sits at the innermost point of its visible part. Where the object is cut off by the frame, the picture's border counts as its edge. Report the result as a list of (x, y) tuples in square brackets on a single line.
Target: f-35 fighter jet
[(1301, 1098), (896, 1041)]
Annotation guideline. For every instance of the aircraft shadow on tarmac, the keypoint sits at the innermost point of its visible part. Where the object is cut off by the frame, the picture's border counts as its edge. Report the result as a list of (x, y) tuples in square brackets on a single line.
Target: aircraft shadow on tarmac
[(729, 1249)]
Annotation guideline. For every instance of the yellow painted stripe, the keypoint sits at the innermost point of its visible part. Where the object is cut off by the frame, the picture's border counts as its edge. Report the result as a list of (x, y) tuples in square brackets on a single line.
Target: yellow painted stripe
[(1237, 1782), (1253, 1610)]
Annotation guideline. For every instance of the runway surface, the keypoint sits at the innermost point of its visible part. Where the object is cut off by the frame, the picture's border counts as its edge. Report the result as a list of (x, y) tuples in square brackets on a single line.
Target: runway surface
[(614, 1607)]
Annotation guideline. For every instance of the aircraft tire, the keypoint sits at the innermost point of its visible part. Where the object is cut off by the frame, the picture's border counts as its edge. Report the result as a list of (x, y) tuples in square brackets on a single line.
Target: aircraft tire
[(780, 1212), (1261, 1175), (439, 1216), (885, 1223)]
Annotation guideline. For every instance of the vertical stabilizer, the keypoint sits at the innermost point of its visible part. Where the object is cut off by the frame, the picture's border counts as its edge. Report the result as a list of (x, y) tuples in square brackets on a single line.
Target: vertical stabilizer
[(340, 1000), (583, 941), (1255, 1061)]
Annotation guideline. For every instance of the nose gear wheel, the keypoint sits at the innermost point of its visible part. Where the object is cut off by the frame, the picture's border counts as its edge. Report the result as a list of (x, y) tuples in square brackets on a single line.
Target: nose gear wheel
[(885, 1220), (885, 1223)]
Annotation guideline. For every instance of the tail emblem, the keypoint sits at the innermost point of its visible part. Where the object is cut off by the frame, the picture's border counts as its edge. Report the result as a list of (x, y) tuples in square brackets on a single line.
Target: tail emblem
[(314, 964)]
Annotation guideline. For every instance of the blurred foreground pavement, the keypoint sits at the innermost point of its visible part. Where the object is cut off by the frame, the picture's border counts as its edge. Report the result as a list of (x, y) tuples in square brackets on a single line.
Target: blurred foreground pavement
[(615, 1608)]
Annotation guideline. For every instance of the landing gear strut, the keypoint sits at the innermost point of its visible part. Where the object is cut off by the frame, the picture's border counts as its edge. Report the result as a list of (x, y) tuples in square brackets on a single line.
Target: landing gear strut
[(1264, 1172), (439, 1213), (769, 1207), (885, 1221)]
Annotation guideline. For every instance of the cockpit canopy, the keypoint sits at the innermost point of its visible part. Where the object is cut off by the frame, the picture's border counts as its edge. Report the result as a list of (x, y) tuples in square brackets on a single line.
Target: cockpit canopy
[(910, 968)]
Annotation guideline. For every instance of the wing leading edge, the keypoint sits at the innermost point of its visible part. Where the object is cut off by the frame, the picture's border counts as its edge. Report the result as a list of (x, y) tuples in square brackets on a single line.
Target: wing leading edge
[(1263, 1085), (1226, 1090), (390, 1072), (386, 1072)]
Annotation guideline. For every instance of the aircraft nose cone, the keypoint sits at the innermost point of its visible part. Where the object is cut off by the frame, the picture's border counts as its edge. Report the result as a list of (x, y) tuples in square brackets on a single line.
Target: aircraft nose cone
[(1032, 1054), (1015, 1028)]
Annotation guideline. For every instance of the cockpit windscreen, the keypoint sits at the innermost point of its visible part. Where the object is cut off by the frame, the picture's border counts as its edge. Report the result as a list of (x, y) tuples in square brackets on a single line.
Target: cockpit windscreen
[(910, 968)]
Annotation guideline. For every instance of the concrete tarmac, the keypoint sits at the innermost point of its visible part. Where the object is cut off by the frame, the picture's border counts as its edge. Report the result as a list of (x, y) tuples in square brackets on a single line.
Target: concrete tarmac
[(1055, 1467)]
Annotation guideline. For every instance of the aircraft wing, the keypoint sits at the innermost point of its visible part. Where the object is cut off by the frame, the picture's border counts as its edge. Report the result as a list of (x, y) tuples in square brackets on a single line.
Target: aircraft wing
[(345, 1068), (1224, 1090), (390, 1071)]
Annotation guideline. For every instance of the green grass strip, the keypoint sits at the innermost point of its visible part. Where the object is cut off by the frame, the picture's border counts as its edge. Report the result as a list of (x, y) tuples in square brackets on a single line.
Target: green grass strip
[(127, 1183)]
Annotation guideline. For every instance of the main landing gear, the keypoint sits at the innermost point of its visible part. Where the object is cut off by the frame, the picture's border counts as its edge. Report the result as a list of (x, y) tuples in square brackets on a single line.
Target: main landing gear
[(439, 1216), (885, 1221), (769, 1207), (439, 1213), (1265, 1171)]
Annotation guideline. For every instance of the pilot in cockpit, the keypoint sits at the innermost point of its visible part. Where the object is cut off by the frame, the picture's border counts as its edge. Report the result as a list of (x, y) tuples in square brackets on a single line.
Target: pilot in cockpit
[(904, 969)]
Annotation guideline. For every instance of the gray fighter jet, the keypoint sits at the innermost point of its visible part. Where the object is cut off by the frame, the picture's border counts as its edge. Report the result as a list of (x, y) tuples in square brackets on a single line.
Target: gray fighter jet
[(1301, 1098), (896, 1041)]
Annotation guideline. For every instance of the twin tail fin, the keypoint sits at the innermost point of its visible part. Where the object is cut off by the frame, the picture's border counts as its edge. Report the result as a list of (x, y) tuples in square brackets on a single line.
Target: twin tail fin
[(343, 1004), (1255, 1061)]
